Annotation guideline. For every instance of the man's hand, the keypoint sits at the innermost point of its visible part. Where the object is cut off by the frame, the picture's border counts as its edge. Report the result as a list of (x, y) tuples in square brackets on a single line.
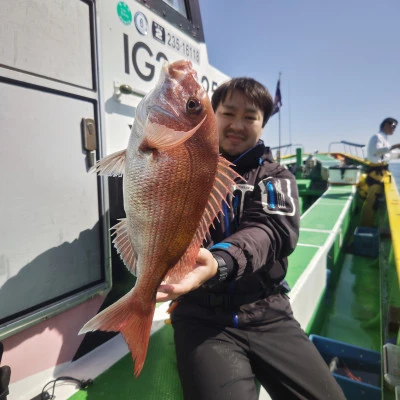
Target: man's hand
[(205, 268)]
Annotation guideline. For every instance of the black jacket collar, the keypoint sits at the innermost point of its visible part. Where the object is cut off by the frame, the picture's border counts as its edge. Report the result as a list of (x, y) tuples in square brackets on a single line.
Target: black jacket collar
[(252, 158)]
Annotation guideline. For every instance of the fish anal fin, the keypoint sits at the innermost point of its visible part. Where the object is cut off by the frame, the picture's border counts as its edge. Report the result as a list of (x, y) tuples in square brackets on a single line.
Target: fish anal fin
[(185, 264), (128, 317), (112, 165), (161, 137), (122, 243)]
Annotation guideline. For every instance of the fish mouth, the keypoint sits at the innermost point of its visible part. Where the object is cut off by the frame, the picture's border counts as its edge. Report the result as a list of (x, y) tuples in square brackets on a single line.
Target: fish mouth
[(161, 110), (178, 70)]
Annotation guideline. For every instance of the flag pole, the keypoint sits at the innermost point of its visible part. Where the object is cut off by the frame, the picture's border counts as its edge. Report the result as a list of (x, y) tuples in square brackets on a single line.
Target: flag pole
[(290, 119), (279, 116)]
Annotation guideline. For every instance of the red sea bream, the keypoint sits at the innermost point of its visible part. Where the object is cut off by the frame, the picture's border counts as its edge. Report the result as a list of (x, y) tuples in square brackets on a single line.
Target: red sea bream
[(174, 184)]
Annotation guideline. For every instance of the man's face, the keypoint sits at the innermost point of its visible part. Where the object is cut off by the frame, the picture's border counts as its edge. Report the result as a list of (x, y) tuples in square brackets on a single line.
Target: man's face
[(389, 128), (239, 124)]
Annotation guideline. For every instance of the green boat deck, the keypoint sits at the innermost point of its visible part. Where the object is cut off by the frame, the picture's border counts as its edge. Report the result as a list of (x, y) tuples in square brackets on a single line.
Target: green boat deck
[(158, 380), (350, 315)]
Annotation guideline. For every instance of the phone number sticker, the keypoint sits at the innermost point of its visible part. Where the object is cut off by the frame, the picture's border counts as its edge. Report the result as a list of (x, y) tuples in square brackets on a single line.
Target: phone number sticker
[(181, 46)]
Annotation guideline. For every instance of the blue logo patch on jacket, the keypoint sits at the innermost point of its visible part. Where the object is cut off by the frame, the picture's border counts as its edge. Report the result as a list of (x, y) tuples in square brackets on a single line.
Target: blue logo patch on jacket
[(276, 196)]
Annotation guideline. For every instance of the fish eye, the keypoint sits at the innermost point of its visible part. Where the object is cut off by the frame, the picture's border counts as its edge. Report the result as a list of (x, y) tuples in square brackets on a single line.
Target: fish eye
[(193, 106)]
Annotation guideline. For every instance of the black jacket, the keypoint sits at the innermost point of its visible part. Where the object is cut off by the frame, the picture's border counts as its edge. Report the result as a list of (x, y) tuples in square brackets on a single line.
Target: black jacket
[(261, 227)]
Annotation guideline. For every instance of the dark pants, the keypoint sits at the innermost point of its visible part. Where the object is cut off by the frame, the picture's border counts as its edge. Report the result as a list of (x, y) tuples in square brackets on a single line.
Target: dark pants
[(216, 362)]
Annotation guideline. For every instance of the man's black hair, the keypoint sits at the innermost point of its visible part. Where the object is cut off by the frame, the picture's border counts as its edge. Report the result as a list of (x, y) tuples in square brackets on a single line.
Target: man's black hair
[(387, 121), (254, 91)]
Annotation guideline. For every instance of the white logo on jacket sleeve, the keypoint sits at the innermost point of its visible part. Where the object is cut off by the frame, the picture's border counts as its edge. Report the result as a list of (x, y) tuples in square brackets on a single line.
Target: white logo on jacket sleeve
[(243, 189), (276, 196)]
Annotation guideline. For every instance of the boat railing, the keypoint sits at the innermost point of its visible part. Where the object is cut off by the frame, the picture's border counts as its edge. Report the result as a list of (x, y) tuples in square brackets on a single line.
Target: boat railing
[(350, 147), (288, 148)]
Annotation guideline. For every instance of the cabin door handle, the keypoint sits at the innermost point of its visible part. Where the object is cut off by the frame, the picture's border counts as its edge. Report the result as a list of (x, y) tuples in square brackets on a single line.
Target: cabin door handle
[(89, 139), (120, 89)]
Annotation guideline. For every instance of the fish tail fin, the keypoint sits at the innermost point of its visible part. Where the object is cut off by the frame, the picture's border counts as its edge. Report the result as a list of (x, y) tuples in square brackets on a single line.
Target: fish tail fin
[(133, 319)]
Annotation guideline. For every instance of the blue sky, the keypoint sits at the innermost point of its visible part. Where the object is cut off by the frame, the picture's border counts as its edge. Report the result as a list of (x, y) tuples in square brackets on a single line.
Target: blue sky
[(340, 63)]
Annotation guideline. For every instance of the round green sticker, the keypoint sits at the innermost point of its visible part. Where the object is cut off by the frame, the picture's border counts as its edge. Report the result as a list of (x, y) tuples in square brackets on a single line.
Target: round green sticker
[(124, 13)]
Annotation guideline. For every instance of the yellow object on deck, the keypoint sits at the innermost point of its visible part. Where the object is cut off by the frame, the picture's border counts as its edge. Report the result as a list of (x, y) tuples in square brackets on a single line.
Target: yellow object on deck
[(393, 209)]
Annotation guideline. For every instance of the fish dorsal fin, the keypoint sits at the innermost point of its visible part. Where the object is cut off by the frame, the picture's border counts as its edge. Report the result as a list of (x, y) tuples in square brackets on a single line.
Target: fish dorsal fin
[(112, 165), (223, 183), (161, 137), (123, 245)]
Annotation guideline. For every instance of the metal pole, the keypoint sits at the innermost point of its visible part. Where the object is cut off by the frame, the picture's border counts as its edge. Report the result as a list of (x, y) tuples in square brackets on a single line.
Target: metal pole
[(279, 144)]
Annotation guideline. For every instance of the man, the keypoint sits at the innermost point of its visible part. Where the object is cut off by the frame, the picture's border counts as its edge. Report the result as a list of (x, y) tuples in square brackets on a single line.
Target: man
[(379, 153), (238, 326)]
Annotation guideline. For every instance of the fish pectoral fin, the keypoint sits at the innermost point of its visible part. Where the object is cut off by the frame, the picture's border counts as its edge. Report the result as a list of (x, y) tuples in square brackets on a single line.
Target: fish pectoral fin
[(112, 165), (122, 243), (161, 137)]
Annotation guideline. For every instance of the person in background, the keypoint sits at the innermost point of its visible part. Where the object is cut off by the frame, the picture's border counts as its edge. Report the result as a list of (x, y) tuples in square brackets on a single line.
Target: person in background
[(232, 319), (379, 153)]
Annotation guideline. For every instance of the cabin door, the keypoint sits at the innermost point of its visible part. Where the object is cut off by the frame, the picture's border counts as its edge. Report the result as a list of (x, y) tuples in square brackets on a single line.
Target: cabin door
[(51, 231)]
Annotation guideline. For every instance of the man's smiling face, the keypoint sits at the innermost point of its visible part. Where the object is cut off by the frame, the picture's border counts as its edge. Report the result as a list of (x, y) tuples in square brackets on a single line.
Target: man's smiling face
[(239, 124)]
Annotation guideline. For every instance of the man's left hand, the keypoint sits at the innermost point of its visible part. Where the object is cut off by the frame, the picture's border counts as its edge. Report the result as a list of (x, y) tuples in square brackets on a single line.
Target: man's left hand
[(205, 268)]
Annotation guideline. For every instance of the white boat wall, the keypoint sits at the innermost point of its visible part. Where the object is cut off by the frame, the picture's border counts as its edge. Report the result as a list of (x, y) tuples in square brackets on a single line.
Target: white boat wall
[(71, 75)]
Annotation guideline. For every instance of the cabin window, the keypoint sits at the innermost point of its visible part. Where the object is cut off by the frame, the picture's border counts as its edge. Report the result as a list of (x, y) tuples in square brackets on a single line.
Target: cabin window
[(178, 5), (183, 14)]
